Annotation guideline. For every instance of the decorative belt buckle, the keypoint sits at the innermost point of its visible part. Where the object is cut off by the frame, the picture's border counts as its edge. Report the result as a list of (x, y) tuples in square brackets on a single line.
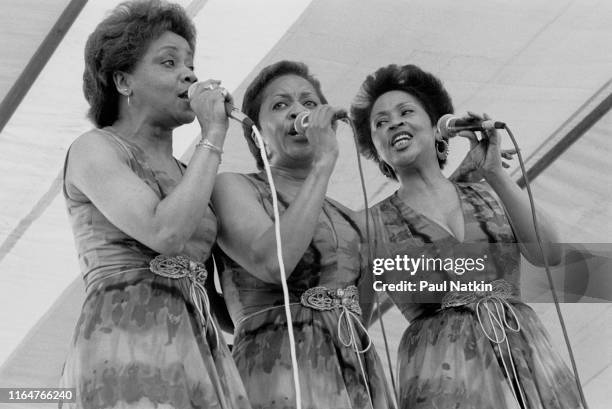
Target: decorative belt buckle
[(178, 267), (325, 299), (501, 289)]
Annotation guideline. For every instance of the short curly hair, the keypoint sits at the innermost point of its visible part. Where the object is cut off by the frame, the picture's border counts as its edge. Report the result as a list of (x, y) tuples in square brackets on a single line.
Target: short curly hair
[(253, 97), (119, 42), (422, 85)]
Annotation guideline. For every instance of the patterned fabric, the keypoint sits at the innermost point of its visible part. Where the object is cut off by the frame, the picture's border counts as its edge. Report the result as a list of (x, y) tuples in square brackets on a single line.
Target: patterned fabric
[(445, 359), (140, 340), (330, 373)]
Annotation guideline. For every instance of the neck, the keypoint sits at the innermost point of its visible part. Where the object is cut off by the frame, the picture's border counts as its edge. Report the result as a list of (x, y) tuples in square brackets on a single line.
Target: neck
[(154, 140), (296, 171), (420, 180), (289, 180)]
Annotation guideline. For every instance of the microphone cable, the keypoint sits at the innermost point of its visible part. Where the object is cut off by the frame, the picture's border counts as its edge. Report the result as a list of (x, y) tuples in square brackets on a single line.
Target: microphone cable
[(540, 245), (546, 266), (370, 256), (234, 113), (268, 171), (281, 265)]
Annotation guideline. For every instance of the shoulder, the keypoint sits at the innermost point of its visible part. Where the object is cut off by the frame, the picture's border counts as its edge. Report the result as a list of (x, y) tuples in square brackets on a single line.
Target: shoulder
[(94, 157), (382, 207), (481, 190), (373, 216), (355, 218), (360, 216), (91, 158), (235, 187), (230, 181), (230, 177), (96, 145)]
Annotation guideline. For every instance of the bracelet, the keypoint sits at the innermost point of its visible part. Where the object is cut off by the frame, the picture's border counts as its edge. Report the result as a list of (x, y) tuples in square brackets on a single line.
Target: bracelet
[(207, 144)]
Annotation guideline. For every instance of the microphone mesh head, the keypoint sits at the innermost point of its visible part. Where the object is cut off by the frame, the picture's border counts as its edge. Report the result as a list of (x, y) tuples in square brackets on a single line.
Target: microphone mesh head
[(301, 122), (443, 123), (193, 86), (191, 89)]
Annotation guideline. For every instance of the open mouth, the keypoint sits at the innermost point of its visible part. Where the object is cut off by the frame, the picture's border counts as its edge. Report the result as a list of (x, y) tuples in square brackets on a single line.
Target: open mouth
[(183, 95), (401, 140)]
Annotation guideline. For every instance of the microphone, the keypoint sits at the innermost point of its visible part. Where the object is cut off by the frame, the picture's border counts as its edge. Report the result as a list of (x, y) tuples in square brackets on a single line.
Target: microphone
[(237, 114), (230, 110), (449, 125), (301, 121)]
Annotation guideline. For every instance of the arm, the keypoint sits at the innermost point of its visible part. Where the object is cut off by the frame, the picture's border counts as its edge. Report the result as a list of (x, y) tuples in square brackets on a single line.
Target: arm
[(518, 208), (247, 232), (101, 172)]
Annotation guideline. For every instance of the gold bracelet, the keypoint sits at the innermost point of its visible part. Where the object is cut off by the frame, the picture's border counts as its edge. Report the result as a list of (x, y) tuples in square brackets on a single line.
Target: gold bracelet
[(207, 144)]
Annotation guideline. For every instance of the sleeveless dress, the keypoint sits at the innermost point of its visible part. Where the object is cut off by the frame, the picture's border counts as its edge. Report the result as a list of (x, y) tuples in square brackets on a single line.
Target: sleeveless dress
[(139, 341), (478, 348), (333, 372)]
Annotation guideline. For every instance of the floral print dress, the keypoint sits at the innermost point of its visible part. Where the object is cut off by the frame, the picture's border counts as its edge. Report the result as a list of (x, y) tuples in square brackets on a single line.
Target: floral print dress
[(479, 349), (140, 340), (333, 371)]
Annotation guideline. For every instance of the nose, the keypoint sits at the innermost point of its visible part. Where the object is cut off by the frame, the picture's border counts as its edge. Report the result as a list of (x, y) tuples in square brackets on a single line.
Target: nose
[(190, 76), (396, 123), (296, 109)]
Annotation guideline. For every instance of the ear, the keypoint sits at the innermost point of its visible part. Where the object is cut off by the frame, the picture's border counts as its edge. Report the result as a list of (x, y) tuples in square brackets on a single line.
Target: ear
[(122, 82), (437, 134)]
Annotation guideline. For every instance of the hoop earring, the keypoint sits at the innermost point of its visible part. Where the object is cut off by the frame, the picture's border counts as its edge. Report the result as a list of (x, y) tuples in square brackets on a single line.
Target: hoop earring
[(442, 149), (386, 169)]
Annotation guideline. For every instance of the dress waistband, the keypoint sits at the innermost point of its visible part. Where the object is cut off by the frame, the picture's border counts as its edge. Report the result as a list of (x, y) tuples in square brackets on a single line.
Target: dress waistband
[(176, 268), (494, 305), (346, 300), (500, 289)]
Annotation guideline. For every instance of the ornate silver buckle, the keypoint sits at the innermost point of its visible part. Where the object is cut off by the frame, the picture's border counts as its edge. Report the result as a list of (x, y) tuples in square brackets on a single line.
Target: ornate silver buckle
[(326, 299)]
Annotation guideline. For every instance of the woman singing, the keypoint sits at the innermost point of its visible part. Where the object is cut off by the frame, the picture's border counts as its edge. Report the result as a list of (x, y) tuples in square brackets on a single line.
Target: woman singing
[(479, 348), (338, 368), (141, 221)]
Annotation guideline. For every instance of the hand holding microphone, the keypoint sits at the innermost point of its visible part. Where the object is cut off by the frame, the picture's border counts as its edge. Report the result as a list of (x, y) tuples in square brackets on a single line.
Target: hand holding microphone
[(303, 119), (485, 155), (450, 125), (318, 125), (228, 102), (207, 100)]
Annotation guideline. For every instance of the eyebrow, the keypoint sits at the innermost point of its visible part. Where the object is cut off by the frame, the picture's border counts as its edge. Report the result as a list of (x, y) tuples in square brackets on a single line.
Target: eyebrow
[(303, 94), (399, 105), (174, 48)]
